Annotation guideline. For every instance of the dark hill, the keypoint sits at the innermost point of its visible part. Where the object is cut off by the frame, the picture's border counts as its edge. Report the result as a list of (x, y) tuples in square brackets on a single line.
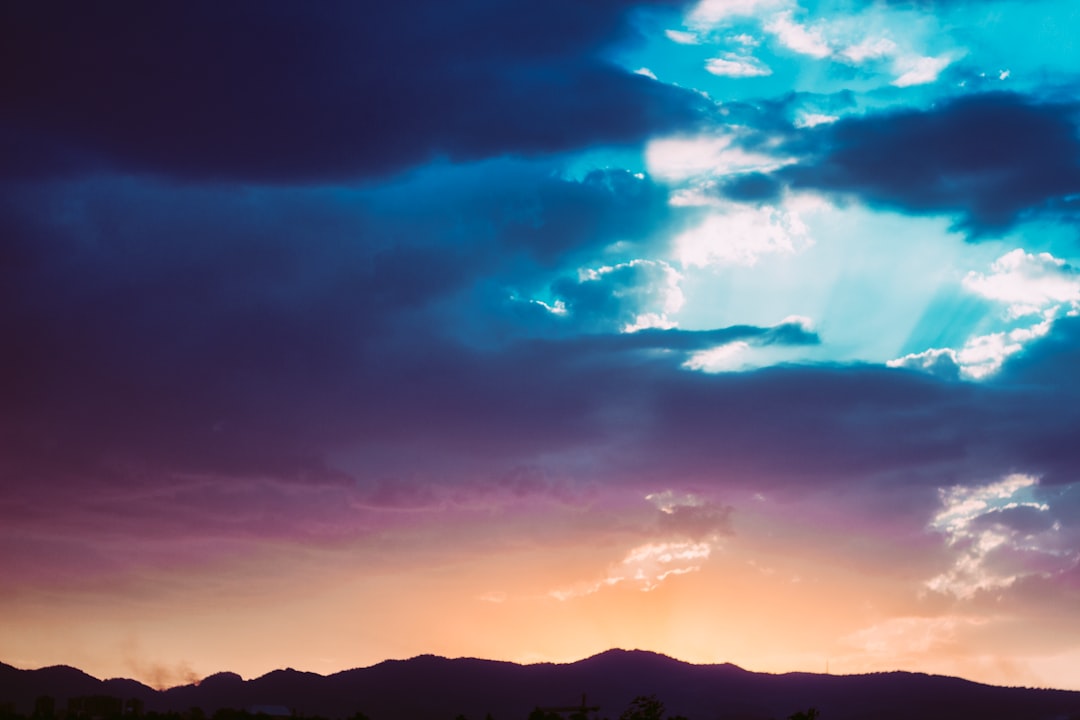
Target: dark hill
[(436, 688)]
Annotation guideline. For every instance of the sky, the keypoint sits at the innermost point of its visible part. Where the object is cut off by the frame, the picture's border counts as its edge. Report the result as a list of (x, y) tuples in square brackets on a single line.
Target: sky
[(739, 330)]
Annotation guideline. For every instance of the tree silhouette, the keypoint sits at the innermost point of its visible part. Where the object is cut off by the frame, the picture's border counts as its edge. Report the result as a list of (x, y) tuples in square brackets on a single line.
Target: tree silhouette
[(541, 714), (644, 707), (810, 714)]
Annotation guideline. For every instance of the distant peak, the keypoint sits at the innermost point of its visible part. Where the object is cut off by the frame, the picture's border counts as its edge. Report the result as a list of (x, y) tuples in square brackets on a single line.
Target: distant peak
[(221, 678), (289, 672), (67, 670), (650, 656), (621, 653)]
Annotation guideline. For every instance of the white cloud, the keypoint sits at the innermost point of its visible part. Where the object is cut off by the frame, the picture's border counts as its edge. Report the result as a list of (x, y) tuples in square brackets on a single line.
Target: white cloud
[(941, 362), (741, 235), (709, 13), (800, 38), (979, 358), (1029, 284), (722, 358), (869, 49), (962, 504), (683, 37), (650, 289), (919, 69), (745, 40), (645, 566), (741, 355), (732, 65), (668, 500), (976, 542), (982, 356), (1004, 75), (649, 320), (808, 119), (556, 308), (646, 72), (684, 158), (802, 321)]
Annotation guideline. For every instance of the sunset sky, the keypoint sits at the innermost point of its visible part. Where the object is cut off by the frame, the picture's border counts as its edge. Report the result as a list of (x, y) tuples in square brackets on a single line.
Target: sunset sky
[(743, 331)]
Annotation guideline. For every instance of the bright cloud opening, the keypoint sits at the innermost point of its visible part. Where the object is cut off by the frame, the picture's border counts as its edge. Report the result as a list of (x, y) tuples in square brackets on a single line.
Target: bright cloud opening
[(741, 235), (683, 158)]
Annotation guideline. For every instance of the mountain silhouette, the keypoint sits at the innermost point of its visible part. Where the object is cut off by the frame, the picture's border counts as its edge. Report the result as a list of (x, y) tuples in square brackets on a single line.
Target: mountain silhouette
[(436, 688)]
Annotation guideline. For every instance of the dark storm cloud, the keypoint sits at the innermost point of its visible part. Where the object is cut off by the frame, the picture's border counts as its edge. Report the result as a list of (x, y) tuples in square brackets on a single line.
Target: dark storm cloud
[(326, 339), (566, 216), (285, 91), (1046, 370), (990, 159), (752, 187), (158, 331), (244, 332), (687, 340), (637, 419)]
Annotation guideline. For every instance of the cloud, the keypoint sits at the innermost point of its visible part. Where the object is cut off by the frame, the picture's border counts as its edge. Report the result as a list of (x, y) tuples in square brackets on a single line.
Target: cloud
[(627, 297), (1039, 285), (683, 158), (738, 66), (1030, 284), (483, 353), (999, 535), (745, 39), (752, 187), (991, 159), (799, 38), (869, 49), (682, 37), (739, 235), (347, 91), (919, 70), (940, 362), (645, 567), (721, 358), (708, 13), (692, 517), (238, 364), (743, 353), (979, 358), (810, 119), (554, 218)]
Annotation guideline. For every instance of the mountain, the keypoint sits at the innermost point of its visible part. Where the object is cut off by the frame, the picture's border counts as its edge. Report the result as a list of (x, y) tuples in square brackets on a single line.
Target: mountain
[(437, 688)]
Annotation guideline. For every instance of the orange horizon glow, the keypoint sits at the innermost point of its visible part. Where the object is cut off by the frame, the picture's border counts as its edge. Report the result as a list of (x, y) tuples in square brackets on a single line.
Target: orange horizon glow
[(748, 603)]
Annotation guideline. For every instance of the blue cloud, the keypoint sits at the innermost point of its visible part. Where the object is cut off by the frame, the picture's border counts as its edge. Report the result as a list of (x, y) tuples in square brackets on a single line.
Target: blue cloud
[(991, 160), (278, 92)]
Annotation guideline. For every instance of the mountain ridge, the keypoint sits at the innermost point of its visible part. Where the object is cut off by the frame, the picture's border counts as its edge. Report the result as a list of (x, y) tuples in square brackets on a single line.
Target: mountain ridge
[(432, 687)]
